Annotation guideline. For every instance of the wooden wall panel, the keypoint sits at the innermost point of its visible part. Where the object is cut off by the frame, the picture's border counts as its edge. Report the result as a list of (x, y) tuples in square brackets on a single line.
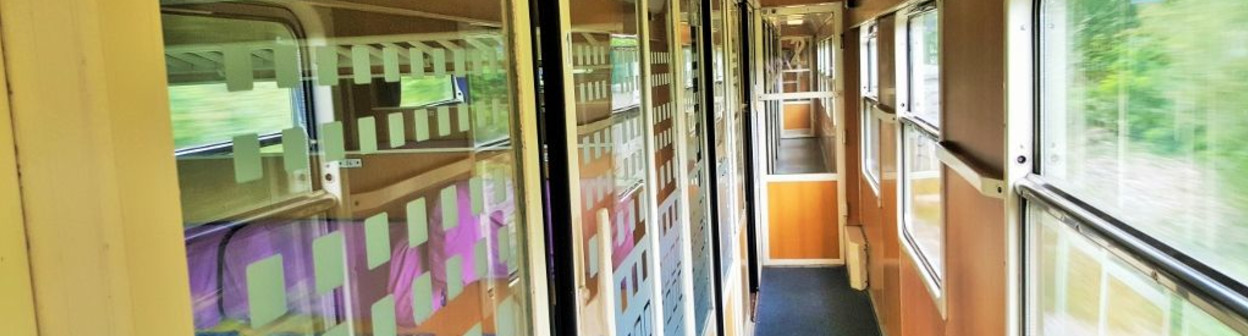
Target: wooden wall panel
[(888, 64), (797, 116), (975, 260), (869, 9), (880, 226), (918, 312), (973, 75), (973, 70), (802, 220)]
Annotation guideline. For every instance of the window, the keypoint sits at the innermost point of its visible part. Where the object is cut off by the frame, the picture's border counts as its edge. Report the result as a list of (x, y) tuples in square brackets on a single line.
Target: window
[(1141, 135), (922, 218), (870, 147), (204, 111), (922, 178), (871, 144), (923, 66), (1083, 286), (419, 92), (870, 63)]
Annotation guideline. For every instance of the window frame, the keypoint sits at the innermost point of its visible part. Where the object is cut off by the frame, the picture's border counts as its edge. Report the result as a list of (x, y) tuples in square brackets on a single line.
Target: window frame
[(905, 89), (869, 62), (870, 125), (1218, 295), (933, 279)]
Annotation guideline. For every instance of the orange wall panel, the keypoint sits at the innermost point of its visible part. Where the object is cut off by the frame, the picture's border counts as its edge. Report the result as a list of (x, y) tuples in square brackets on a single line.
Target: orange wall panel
[(802, 220), (975, 259), (972, 67), (796, 116), (918, 312)]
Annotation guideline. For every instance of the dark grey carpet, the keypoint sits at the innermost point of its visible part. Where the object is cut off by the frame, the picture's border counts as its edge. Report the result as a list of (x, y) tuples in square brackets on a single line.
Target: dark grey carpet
[(813, 301)]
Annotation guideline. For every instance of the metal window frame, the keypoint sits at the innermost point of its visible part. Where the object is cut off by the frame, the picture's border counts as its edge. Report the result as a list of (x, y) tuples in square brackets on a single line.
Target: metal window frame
[(933, 279), (871, 122), (1222, 297), (905, 89)]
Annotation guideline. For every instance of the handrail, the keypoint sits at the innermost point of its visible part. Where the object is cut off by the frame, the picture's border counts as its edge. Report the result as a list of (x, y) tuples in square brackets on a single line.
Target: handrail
[(977, 176), (1187, 274), (884, 113), (797, 95)]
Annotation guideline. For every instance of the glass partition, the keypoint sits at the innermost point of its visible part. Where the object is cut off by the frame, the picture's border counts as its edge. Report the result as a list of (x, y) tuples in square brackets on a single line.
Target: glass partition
[(666, 112), (618, 287), (349, 168), (693, 112)]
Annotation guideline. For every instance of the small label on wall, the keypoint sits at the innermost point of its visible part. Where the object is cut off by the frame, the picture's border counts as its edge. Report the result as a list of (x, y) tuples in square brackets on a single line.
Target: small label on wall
[(350, 163)]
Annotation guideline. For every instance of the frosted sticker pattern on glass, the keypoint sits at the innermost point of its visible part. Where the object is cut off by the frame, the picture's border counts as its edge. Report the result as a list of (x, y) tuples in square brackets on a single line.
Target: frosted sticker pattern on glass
[(397, 130), (417, 222), (384, 322), (367, 127), (266, 291), (332, 142), (362, 64), (238, 68), (330, 261), (294, 149), (327, 65), (247, 165), (377, 239), (449, 198), (286, 65)]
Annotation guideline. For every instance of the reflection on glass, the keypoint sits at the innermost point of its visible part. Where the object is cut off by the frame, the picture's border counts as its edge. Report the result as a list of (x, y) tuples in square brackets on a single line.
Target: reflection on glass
[(697, 193), (418, 92), (924, 62), (611, 132), (725, 148), (1143, 117), (358, 179), (665, 112), (922, 208), (1081, 288)]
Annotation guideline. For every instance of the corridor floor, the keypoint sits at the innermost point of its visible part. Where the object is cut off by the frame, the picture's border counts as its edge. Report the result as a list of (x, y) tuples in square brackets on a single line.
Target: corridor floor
[(813, 301), (801, 156)]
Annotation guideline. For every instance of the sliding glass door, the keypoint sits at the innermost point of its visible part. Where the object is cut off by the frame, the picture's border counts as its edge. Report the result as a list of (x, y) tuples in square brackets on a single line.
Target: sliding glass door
[(351, 168)]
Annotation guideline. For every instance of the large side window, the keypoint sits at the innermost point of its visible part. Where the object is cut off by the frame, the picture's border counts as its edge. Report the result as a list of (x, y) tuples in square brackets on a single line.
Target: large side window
[(1136, 211), (922, 178)]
